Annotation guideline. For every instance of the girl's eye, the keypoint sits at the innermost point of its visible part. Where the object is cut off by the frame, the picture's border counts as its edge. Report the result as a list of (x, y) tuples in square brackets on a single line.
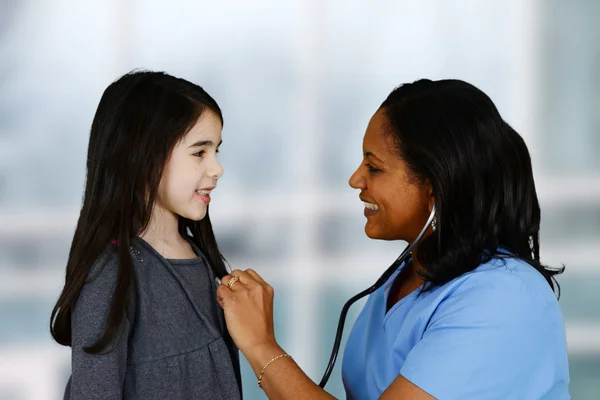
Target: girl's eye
[(200, 153)]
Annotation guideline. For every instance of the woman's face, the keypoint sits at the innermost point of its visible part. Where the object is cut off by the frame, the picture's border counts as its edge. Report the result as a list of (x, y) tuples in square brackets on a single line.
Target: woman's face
[(397, 205)]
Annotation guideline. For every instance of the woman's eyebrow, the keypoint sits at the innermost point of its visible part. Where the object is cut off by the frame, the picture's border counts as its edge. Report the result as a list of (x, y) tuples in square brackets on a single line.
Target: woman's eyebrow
[(368, 155)]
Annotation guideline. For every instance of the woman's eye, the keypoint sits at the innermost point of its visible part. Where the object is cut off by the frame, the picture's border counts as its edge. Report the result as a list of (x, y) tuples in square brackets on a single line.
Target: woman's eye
[(372, 169)]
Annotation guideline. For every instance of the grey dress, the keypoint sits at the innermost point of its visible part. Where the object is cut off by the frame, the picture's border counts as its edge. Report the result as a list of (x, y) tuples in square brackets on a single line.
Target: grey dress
[(173, 345)]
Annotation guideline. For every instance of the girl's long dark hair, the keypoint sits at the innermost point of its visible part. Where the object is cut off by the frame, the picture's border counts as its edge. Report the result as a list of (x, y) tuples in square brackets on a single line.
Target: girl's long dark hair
[(451, 134), (139, 119)]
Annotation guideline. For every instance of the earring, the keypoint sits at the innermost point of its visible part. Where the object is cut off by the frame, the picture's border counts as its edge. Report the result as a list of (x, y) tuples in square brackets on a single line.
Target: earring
[(434, 223)]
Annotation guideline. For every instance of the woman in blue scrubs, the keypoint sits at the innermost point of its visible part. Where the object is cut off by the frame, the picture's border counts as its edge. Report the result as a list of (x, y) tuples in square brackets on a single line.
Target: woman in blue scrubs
[(473, 313)]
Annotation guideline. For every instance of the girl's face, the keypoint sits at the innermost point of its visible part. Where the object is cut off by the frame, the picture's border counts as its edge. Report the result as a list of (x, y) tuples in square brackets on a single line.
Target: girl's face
[(192, 171)]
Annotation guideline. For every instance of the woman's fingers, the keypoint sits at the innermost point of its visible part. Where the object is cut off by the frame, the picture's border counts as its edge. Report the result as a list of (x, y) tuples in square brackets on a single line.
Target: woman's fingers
[(256, 276), (233, 280), (245, 278), (223, 294), (261, 281), (248, 308), (229, 281), (239, 281)]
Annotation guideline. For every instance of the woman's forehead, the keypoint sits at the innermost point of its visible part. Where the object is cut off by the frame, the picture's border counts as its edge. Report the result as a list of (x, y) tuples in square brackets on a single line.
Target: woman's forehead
[(377, 141)]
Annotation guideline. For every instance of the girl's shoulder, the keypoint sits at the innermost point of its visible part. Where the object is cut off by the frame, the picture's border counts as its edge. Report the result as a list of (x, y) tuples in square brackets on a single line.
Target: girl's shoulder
[(101, 282), (107, 262), (106, 265)]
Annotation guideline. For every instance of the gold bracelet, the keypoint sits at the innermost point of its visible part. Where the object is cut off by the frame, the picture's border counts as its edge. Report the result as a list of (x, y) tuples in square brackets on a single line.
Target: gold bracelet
[(269, 363)]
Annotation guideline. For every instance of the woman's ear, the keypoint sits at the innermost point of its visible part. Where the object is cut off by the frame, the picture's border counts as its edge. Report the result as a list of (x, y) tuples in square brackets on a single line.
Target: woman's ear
[(429, 194)]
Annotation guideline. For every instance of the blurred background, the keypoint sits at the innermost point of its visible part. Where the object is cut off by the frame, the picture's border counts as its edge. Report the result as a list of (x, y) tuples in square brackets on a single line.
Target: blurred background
[(298, 81)]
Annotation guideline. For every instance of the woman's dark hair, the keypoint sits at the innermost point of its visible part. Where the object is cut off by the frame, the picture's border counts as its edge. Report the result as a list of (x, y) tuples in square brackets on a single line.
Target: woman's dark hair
[(139, 120), (451, 134)]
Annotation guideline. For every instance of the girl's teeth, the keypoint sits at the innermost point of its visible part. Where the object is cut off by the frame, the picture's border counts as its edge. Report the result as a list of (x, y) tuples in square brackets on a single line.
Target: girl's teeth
[(371, 206), (204, 192)]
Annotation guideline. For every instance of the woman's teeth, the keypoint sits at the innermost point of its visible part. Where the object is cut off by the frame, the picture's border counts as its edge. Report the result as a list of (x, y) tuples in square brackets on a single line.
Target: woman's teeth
[(371, 206), (204, 192)]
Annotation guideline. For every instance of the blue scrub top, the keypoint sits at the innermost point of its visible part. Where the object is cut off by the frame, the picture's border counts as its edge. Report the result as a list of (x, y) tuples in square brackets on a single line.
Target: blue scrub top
[(494, 333)]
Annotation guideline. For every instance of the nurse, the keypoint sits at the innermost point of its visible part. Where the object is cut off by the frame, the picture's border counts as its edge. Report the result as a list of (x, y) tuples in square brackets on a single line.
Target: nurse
[(473, 313)]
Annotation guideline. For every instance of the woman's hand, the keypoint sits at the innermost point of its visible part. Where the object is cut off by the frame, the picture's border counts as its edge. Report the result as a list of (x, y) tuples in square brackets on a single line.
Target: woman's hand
[(248, 304), (247, 301)]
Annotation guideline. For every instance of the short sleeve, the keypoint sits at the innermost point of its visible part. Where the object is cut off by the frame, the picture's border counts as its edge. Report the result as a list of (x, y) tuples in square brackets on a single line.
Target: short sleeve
[(487, 340)]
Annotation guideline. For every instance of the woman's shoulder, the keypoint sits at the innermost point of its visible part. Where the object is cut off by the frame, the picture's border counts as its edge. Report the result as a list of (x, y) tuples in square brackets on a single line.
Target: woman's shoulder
[(502, 295), (507, 281)]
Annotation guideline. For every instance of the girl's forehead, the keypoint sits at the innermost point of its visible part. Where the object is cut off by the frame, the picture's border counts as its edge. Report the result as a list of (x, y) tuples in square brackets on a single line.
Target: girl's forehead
[(208, 127)]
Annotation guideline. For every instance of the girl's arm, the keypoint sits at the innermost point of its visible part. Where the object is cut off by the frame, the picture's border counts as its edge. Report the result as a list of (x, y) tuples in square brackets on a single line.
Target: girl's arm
[(97, 376)]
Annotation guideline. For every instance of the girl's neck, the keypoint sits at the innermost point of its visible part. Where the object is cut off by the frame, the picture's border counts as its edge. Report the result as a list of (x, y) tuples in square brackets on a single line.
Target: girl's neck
[(163, 234)]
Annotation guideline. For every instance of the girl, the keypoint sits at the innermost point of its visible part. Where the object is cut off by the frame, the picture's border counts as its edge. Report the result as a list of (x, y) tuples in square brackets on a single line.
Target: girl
[(138, 306)]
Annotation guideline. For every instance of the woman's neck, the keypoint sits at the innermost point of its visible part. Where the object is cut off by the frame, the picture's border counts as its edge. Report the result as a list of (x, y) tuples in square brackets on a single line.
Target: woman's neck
[(414, 267)]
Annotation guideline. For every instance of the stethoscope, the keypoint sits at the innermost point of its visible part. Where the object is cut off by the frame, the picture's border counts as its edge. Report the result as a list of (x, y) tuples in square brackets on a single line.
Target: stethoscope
[(384, 277)]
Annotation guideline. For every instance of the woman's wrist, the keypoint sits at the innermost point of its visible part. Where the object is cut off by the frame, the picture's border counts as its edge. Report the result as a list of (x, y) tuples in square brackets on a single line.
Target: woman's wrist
[(258, 356)]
